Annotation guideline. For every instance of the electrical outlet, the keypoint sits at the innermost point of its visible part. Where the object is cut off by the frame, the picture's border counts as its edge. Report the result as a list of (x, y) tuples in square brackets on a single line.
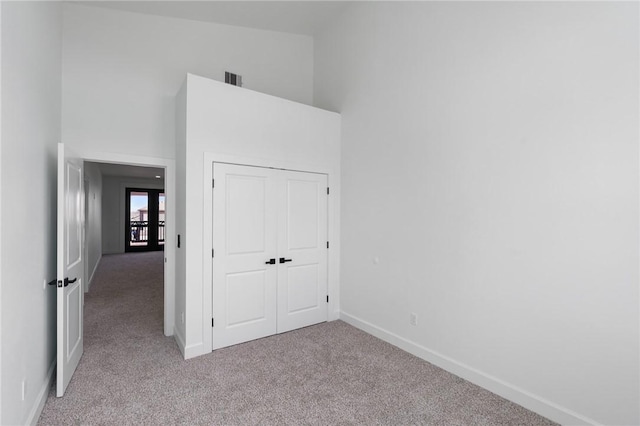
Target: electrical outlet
[(413, 319), (24, 389)]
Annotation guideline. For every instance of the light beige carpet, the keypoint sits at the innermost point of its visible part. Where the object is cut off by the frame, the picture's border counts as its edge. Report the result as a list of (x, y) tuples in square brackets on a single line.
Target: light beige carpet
[(326, 374)]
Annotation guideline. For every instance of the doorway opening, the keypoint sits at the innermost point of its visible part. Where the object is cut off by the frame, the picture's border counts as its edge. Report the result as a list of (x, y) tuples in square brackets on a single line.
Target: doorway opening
[(108, 178), (144, 219)]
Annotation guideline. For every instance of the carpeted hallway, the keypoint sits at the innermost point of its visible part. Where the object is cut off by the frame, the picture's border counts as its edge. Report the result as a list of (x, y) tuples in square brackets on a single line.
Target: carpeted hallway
[(327, 374)]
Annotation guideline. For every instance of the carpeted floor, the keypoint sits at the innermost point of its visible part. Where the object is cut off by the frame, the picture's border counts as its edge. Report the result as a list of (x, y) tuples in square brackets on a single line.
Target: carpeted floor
[(327, 374)]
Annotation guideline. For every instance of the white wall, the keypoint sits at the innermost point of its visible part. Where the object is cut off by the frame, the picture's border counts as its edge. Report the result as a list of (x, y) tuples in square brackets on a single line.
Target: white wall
[(121, 71), (1, 233), (93, 219), (240, 125), (490, 162), (181, 211), (113, 208), (31, 76)]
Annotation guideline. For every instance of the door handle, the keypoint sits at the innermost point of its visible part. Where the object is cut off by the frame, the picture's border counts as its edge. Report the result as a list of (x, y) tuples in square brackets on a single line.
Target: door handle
[(67, 281), (283, 260), (270, 262)]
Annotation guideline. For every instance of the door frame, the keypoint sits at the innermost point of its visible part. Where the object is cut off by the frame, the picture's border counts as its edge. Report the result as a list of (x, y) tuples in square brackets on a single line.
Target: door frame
[(85, 248), (333, 231), (170, 195)]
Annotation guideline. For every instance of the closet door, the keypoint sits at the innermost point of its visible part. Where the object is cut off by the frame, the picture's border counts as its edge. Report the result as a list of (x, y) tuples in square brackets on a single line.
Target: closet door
[(244, 234), (302, 250)]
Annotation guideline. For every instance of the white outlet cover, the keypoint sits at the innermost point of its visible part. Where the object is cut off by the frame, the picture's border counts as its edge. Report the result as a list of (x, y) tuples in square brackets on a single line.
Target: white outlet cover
[(413, 319)]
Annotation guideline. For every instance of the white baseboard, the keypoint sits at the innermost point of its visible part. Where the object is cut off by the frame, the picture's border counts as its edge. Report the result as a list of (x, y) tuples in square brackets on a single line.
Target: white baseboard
[(506, 390), (36, 410), (193, 351), (179, 340), (95, 268), (168, 330), (333, 315), (190, 351)]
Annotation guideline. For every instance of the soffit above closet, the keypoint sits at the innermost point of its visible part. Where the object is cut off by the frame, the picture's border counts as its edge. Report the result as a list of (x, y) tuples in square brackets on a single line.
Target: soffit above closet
[(297, 17)]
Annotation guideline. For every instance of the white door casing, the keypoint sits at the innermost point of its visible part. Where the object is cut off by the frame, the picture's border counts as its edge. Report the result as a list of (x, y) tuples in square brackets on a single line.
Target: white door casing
[(263, 215), (70, 266), (244, 227), (170, 235), (302, 249)]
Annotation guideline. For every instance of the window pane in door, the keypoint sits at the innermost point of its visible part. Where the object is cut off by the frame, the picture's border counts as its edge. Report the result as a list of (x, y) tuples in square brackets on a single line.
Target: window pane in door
[(161, 218), (139, 218)]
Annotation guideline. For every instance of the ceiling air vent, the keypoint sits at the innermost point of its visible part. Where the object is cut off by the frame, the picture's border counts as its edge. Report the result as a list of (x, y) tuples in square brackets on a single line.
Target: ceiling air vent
[(232, 78)]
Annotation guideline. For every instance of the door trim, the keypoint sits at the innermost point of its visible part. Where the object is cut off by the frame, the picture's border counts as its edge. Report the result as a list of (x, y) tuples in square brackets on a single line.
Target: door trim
[(333, 225), (85, 248), (170, 194)]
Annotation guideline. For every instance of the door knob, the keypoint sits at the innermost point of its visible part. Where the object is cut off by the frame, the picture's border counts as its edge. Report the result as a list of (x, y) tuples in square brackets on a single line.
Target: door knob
[(283, 260), (270, 262)]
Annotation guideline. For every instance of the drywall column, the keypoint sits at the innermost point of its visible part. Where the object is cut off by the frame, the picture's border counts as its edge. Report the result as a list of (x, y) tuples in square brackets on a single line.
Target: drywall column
[(180, 212), (240, 125)]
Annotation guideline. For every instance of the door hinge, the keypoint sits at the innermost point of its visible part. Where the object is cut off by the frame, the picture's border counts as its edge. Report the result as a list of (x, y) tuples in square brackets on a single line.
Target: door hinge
[(327, 298), (327, 244), (212, 253), (212, 322), (213, 183), (327, 190)]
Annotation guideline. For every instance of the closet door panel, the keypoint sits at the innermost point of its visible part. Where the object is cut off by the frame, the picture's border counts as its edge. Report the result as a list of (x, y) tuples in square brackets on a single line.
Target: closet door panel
[(246, 298), (247, 214), (302, 291), (302, 219), (302, 239), (244, 240)]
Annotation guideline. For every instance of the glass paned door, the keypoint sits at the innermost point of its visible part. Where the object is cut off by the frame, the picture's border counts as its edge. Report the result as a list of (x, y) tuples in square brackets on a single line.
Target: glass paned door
[(144, 218), (139, 218)]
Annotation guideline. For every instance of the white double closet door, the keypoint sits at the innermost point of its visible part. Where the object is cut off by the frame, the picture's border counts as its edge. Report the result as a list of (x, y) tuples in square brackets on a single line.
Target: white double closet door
[(270, 252)]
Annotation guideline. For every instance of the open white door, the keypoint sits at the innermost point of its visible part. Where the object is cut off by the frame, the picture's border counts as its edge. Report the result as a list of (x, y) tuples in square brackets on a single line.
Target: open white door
[(70, 266)]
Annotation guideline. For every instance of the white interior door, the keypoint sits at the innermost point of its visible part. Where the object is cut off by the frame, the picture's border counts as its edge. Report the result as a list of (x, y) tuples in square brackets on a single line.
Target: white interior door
[(245, 253), (302, 250), (70, 260)]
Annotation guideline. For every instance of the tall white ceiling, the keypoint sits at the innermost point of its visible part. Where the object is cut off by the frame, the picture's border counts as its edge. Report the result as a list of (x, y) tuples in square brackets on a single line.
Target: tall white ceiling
[(298, 17)]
